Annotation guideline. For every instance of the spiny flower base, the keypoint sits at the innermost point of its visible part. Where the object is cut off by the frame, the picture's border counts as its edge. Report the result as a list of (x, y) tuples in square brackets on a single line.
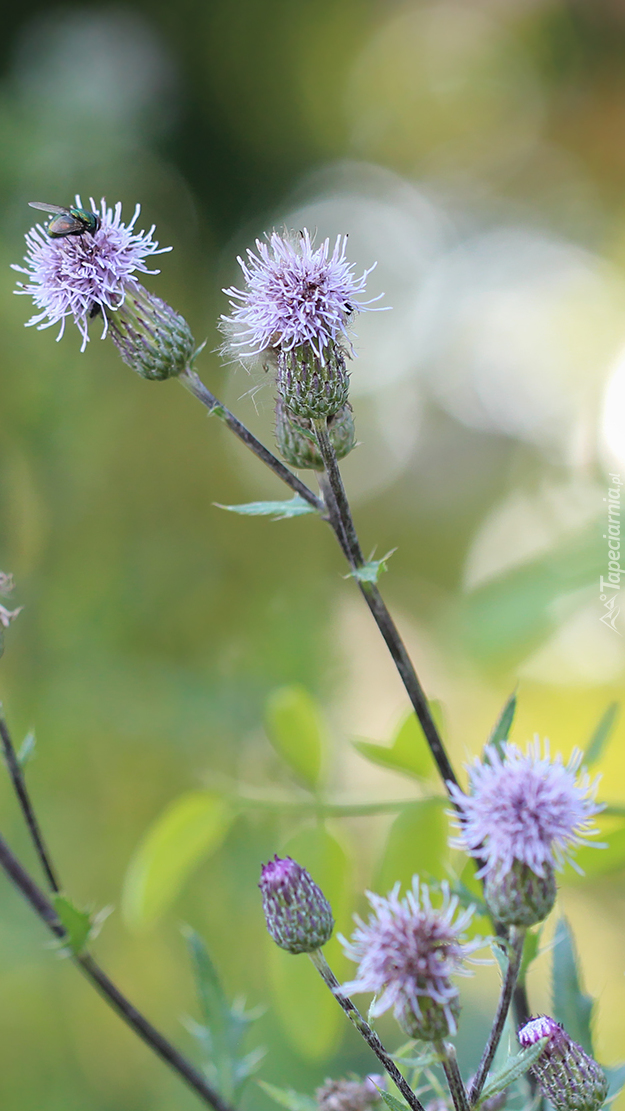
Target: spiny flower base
[(517, 896), (150, 336), (309, 387), (296, 441), (432, 1022)]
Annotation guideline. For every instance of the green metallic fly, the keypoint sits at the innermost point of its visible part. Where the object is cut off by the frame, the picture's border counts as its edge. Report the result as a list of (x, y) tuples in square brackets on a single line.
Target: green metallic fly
[(68, 221)]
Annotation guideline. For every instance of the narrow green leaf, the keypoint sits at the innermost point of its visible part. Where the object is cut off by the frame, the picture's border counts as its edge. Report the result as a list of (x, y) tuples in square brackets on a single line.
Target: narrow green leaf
[(190, 829), (75, 922), (513, 1069), (501, 732), (571, 1006), (286, 1097), (26, 750), (296, 730), (278, 510), (416, 844), (601, 735), (616, 1081), (392, 1101), (409, 751), (531, 949), (371, 570)]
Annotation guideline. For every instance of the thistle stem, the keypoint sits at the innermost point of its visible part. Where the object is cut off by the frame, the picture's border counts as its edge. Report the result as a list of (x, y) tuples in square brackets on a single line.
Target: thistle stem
[(363, 1028), (515, 953), (457, 1090), (19, 786), (106, 988), (343, 524), (192, 382)]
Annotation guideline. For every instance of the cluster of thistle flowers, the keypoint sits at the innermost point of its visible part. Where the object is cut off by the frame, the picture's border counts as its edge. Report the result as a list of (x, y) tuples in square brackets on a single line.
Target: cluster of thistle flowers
[(292, 316), (524, 813), (523, 816)]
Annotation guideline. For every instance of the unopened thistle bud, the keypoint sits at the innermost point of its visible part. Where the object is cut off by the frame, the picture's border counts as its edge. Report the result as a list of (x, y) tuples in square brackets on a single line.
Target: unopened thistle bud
[(309, 387), (150, 336), (569, 1077), (296, 440), (298, 915)]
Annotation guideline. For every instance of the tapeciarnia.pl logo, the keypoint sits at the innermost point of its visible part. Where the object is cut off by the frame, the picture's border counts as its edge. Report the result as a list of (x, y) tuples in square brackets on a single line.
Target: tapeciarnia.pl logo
[(609, 587)]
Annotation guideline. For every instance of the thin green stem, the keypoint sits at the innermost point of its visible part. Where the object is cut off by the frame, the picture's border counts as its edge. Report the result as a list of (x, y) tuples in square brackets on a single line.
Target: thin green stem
[(515, 953), (455, 1084), (106, 988), (330, 809), (363, 1028)]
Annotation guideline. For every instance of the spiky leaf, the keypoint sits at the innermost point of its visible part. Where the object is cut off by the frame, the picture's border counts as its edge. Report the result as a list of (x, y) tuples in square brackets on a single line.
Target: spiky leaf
[(571, 1006)]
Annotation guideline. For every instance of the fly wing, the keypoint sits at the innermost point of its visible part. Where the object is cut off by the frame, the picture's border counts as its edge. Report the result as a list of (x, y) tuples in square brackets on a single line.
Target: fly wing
[(56, 208)]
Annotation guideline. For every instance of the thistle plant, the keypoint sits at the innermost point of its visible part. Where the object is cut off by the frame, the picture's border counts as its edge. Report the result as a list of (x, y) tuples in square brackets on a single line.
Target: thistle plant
[(524, 814)]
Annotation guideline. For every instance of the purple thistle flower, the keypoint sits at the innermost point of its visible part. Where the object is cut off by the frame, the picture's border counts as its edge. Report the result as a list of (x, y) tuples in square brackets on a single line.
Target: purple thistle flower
[(524, 808), (75, 276), (349, 1095), (297, 913), (295, 296), (406, 953), (565, 1073)]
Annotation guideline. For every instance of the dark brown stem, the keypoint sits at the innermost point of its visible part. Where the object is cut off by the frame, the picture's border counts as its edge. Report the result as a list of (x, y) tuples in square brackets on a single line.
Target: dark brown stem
[(106, 988), (515, 952), (363, 1028), (343, 524), (19, 785)]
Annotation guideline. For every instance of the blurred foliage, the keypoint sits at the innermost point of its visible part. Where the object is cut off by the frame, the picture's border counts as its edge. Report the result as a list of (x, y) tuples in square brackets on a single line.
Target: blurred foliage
[(476, 151)]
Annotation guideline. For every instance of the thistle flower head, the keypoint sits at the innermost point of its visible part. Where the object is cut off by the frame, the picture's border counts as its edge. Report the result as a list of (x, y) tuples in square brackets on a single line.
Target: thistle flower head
[(295, 296), (297, 913), (78, 276), (524, 807), (565, 1073), (407, 952)]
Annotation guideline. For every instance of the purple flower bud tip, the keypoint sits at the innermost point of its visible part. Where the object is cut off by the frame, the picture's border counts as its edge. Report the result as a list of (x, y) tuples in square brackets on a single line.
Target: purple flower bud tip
[(564, 1071), (541, 1027), (298, 915)]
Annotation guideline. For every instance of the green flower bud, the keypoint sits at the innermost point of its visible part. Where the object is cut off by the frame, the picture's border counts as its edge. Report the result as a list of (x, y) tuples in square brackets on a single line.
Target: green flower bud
[(517, 896), (298, 915), (311, 387), (150, 336), (565, 1073), (432, 1021), (296, 442)]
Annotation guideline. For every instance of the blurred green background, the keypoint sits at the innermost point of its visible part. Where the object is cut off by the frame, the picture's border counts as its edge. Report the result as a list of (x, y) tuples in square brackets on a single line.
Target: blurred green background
[(477, 152)]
